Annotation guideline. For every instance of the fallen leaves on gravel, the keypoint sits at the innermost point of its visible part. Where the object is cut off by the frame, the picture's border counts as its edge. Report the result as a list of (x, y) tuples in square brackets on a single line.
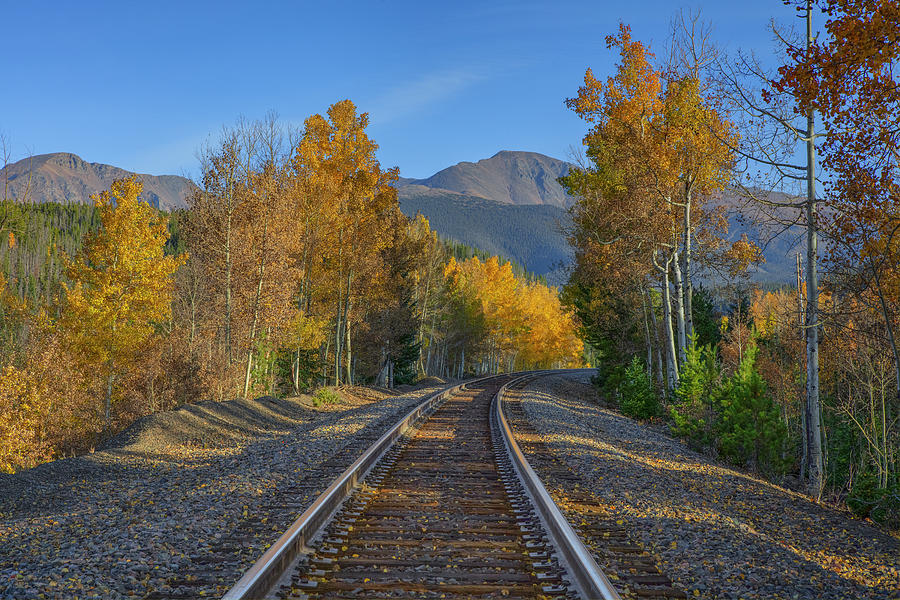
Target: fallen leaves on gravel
[(718, 532)]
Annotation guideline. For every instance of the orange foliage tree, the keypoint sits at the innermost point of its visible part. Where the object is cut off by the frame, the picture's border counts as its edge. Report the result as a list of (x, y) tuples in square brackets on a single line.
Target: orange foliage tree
[(849, 77), (658, 149), (337, 162)]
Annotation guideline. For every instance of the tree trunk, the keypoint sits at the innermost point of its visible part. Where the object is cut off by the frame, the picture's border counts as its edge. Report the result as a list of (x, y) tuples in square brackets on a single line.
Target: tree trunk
[(337, 340), (107, 401), (647, 331), (349, 375), (256, 302), (462, 363), (228, 355), (679, 307), (349, 360), (804, 461), (671, 361), (660, 379), (688, 284), (295, 371), (420, 363), (325, 362), (813, 409)]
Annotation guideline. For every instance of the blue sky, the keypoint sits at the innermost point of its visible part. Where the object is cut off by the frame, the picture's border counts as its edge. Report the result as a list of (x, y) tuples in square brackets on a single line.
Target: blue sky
[(142, 85)]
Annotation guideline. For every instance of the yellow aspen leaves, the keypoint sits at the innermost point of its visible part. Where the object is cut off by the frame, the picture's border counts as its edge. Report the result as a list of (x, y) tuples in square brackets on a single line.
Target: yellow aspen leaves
[(122, 282), (521, 323)]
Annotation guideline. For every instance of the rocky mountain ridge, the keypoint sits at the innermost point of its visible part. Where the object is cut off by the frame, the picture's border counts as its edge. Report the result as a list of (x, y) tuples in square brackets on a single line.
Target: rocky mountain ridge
[(510, 204), (66, 178), (508, 177)]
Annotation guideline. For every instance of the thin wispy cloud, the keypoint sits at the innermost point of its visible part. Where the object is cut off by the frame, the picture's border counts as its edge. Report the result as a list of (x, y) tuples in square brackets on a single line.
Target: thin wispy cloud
[(415, 96)]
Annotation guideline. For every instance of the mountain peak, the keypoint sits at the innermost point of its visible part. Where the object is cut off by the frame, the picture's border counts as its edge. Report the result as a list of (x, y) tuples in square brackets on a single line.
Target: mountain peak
[(509, 176), (66, 177)]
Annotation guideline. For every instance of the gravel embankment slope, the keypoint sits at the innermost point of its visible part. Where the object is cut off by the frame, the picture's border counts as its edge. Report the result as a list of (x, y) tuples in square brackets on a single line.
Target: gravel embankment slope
[(187, 501), (718, 532)]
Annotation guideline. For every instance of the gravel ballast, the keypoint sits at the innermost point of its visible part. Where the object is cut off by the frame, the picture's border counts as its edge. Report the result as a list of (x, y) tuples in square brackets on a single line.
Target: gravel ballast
[(185, 502), (716, 531)]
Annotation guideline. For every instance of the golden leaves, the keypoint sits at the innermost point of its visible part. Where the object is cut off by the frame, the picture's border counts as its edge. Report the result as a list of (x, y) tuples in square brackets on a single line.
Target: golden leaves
[(742, 254), (522, 319), (122, 279)]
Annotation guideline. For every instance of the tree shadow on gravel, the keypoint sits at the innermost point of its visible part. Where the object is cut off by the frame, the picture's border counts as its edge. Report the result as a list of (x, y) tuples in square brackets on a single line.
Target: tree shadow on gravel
[(157, 508), (204, 444), (719, 519)]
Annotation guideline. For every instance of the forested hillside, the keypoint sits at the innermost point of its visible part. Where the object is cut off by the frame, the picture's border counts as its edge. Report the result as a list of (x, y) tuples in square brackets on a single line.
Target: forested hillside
[(531, 235), (37, 236)]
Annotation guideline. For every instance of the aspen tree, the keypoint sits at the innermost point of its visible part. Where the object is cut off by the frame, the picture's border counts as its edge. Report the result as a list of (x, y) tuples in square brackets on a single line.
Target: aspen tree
[(122, 285)]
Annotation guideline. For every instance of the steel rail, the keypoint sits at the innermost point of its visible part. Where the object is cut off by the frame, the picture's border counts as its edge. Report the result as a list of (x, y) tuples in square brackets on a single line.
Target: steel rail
[(259, 579), (586, 575)]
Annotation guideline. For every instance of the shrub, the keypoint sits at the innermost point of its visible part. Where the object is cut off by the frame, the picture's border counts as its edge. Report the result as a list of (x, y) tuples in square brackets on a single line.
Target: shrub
[(45, 408), (23, 442), (298, 370), (637, 398), (693, 410), (608, 380), (325, 395), (750, 428), (868, 499)]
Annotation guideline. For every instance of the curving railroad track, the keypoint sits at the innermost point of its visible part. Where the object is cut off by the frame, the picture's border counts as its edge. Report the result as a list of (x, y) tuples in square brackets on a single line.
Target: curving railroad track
[(445, 505)]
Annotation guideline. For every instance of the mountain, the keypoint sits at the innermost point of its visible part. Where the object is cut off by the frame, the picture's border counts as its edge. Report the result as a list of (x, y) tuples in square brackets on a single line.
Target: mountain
[(774, 230), (507, 177), (532, 235), (66, 178), (510, 204)]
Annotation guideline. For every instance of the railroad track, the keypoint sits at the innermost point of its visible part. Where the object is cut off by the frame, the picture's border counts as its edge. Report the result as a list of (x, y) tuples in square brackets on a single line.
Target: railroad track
[(216, 565), (442, 506), (633, 570)]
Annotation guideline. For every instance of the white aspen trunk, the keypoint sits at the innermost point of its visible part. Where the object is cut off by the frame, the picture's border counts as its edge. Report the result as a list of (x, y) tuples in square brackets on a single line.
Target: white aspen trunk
[(679, 307), (647, 331), (325, 361), (420, 364), (228, 354), (688, 284), (256, 303), (804, 461), (337, 342), (671, 361), (107, 403), (295, 371), (660, 379), (349, 375), (813, 407), (391, 373)]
